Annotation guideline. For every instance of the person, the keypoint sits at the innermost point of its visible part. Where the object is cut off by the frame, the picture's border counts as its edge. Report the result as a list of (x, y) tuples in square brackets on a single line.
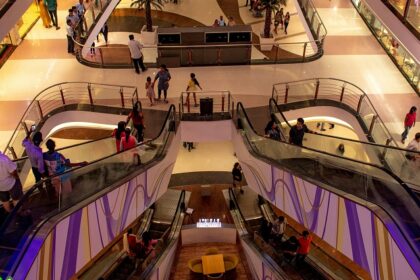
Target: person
[(270, 124), (298, 131), (278, 20), (45, 16), (119, 133), (136, 53), (265, 229), (104, 31), (129, 141), (133, 242), (221, 21), (192, 87), (56, 163), (409, 122), (289, 248), (164, 77), (80, 8), (147, 244), (70, 36), (231, 21), (138, 121), (52, 10), (150, 91), (10, 186), (279, 228), (73, 18), (414, 146), (216, 23), (34, 153), (286, 22), (304, 247), (237, 176), (274, 132)]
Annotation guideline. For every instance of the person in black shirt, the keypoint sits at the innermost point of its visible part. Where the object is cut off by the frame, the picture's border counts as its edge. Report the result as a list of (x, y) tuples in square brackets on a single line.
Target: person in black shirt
[(237, 176), (298, 131), (270, 124), (289, 248)]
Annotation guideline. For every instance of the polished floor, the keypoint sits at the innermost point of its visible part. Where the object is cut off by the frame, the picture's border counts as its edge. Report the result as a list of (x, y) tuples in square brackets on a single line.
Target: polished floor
[(351, 53)]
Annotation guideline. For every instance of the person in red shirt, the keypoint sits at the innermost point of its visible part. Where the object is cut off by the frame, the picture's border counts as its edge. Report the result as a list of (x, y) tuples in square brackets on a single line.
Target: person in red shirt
[(132, 242), (138, 120), (118, 134), (409, 122), (304, 247), (129, 141)]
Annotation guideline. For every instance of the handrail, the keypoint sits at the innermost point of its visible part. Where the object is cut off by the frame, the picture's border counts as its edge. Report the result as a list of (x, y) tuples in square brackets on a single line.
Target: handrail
[(222, 98), (169, 117), (406, 189), (38, 109)]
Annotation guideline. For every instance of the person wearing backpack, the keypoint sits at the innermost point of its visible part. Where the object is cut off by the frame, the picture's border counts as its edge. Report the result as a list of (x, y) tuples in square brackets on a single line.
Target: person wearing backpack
[(192, 87)]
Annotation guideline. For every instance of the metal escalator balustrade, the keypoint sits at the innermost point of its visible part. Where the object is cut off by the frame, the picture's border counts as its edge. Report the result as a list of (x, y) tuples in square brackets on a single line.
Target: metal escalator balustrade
[(373, 187), (69, 189), (384, 151)]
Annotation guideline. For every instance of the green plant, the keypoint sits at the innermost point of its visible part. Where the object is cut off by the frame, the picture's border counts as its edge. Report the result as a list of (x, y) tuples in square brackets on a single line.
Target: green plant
[(147, 5), (270, 6)]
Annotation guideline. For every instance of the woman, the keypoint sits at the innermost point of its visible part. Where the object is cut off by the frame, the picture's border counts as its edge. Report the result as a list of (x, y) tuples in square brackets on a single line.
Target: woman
[(138, 121), (278, 20), (129, 141), (286, 22), (45, 16), (409, 122), (119, 133), (147, 244), (163, 85), (237, 176)]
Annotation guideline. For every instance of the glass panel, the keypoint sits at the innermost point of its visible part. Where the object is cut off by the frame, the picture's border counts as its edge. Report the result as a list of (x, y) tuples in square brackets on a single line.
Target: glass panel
[(399, 5), (413, 15)]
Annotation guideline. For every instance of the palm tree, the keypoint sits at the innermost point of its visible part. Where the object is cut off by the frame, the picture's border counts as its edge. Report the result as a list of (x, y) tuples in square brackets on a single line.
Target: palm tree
[(269, 6), (147, 5)]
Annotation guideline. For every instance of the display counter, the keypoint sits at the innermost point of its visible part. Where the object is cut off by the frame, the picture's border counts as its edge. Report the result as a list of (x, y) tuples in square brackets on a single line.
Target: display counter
[(191, 234)]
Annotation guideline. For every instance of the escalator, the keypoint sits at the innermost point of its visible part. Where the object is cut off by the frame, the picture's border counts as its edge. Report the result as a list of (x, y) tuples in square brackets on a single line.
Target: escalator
[(388, 157), (373, 187), (37, 212)]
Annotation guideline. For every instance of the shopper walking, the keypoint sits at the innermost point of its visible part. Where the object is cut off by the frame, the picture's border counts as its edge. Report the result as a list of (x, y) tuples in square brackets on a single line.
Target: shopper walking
[(138, 120), (118, 134), (136, 53), (164, 77), (43, 13), (278, 20), (409, 122), (52, 10), (10, 186), (286, 22)]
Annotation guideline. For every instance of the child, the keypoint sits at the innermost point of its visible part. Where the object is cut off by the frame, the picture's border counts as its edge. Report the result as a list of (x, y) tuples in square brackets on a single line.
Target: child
[(150, 92), (192, 87)]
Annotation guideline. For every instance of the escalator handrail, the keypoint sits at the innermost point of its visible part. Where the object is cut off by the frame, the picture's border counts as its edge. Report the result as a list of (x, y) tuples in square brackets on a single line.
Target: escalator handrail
[(392, 175), (37, 98), (54, 213), (272, 100), (361, 95), (232, 196)]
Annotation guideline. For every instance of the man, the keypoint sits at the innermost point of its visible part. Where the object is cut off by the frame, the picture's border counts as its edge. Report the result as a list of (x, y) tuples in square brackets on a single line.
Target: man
[(72, 17), (298, 131), (52, 10), (136, 54), (414, 146), (35, 155), (278, 229), (80, 9), (222, 21), (70, 36), (10, 186), (304, 247)]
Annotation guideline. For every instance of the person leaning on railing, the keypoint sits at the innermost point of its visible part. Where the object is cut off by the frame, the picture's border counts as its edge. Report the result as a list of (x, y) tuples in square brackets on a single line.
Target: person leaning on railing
[(297, 132)]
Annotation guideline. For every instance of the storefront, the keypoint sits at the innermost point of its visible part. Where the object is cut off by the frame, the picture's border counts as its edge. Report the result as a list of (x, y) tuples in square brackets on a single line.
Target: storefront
[(21, 28), (401, 57)]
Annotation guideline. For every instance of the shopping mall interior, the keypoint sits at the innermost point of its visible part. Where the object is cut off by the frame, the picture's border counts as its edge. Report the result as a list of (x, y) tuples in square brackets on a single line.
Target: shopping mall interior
[(199, 171)]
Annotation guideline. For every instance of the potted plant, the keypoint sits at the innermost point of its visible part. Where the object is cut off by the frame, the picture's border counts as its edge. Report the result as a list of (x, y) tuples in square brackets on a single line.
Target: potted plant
[(148, 31), (270, 6)]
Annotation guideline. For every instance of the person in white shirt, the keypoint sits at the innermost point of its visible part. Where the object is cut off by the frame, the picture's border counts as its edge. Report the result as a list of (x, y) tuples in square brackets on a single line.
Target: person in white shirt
[(34, 153), (279, 228), (222, 21), (414, 146), (136, 53), (10, 186), (70, 36)]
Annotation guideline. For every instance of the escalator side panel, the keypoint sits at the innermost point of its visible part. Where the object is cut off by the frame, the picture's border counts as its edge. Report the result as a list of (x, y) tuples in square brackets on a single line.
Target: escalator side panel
[(72, 241), (351, 228)]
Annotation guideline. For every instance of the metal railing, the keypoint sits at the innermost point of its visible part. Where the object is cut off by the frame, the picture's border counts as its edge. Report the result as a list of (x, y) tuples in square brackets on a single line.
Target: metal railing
[(392, 158), (64, 95), (119, 56), (221, 103)]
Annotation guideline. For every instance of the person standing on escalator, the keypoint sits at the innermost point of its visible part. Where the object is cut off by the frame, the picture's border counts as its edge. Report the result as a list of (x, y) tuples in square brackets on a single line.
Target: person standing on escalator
[(10, 186), (138, 121), (298, 131), (34, 153)]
